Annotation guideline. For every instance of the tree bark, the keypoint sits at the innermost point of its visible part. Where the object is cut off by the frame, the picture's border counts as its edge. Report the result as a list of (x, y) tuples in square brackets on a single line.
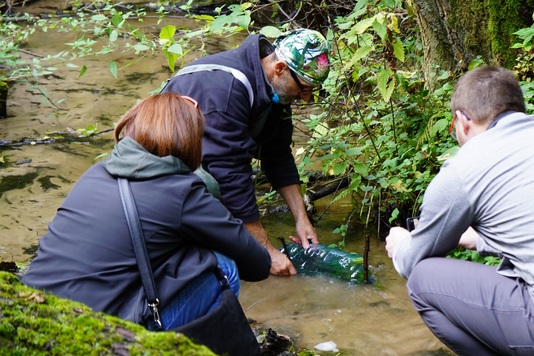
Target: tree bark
[(455, 32)]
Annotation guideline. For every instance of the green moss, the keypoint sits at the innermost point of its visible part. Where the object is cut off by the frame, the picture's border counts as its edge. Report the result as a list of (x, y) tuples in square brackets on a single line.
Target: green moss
[(486, 28), (34, 323)]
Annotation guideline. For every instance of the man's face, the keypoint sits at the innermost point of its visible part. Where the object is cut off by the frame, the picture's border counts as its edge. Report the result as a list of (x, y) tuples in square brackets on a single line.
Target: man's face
[(290, 87)]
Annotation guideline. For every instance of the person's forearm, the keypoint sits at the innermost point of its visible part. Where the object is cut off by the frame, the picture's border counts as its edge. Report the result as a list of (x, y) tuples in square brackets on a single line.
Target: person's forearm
[(305, 231), (255, 228), (293, 198), (280, 264)]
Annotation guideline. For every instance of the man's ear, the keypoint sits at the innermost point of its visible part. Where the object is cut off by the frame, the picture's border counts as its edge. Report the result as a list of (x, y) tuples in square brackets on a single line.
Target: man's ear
[(279, 68), (465, 123)]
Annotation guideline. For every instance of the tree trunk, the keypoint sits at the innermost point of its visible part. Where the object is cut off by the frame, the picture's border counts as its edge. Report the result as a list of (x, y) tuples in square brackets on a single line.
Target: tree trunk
[(455, 32)]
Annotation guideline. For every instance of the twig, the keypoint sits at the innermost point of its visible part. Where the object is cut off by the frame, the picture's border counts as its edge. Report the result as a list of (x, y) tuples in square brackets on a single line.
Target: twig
[(366, 260)]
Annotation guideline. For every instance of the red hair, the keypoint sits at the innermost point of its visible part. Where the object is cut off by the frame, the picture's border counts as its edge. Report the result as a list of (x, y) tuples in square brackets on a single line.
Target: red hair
[(166, 124)]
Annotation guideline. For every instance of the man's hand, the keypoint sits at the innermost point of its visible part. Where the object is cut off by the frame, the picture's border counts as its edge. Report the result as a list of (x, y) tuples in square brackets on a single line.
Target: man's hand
[(469, 239), (306, 234), (397, 235), (280, 264)]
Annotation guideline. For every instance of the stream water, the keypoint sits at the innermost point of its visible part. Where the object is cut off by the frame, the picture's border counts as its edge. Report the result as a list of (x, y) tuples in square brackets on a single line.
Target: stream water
[(34, 180)]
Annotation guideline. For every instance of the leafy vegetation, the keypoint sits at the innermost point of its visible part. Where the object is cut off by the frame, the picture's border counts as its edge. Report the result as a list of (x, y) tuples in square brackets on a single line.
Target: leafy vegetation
[(376, 122)]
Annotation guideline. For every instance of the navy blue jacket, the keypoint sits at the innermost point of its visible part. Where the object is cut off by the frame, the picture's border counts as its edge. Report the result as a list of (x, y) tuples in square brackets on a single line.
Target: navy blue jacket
[(87, 253), (228, 146)]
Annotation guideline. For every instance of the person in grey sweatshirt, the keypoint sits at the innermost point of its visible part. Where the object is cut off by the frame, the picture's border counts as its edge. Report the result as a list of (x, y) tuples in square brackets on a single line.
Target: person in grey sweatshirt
[(87, 253), (482, 198)]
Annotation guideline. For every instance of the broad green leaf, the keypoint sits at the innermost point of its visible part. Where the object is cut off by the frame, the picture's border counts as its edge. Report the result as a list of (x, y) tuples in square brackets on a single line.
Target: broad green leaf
[(99, 17), (176, 48), (113, 69), (270, 31), (113, 36), (140, 48), (361, 169), (117, 20), (171, 59), (167, 32), (439, 126), (394, 215), (243, 21), (380, 27), (218, 24), (360, 53), (354, 151), (398, 49), (386, 83), (340, 168), (363, 25)]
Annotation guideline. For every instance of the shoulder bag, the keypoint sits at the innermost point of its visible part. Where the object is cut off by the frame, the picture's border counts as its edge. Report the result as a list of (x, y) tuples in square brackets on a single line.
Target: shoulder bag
[(225, 330)]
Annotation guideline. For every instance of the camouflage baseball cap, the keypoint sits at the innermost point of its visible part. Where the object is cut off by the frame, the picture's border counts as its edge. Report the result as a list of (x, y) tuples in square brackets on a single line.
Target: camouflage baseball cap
[(306, 53)]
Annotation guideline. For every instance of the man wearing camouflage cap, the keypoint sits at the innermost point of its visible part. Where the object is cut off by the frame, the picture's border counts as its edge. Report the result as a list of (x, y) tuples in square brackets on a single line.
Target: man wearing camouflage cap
[(245, 94)]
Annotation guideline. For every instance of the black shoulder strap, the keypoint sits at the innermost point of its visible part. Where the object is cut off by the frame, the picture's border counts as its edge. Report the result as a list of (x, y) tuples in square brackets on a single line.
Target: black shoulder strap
[(138, 241)]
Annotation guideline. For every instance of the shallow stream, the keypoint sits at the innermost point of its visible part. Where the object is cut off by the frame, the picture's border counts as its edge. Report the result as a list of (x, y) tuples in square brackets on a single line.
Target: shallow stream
[(34, 180)]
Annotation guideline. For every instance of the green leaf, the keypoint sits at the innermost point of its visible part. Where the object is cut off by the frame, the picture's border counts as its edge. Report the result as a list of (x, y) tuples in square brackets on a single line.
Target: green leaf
[(354, 151), (113, 69), (98, 17), (398, 49), (439, 126), (117, 20), (340, 168), (363, 25), (82, 71), (167, 32), (102, 155), (176, 48), (394, 215), (270, 31), (380, 27), (361, 53), (386, 83), (361, 169), (140, 48), (113, 36), (171, 59)]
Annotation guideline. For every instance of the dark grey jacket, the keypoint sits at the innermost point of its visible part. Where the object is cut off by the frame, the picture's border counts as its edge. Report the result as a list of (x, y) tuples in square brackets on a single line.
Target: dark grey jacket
[(230, 143), (87, 254)]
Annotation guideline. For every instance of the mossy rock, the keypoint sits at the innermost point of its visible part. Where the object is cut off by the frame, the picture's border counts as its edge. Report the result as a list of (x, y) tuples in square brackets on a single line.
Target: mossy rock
[(33, 323)]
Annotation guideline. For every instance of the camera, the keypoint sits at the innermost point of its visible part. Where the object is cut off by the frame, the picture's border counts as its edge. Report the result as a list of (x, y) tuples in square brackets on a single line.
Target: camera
[(411, 222)]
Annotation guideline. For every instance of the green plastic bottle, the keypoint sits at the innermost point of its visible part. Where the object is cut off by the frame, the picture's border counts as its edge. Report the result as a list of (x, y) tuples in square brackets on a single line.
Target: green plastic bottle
[(319, 258)]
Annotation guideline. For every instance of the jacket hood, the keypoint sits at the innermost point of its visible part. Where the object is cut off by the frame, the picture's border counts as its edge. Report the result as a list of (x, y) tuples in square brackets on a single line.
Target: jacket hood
[(130, 160)]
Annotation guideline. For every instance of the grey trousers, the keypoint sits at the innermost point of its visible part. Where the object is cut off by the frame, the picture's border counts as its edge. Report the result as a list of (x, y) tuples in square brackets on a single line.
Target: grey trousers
[(472, 309)]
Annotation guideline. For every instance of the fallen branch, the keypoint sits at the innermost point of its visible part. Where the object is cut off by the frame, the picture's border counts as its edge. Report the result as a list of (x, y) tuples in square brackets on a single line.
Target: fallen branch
[(58, 137)]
